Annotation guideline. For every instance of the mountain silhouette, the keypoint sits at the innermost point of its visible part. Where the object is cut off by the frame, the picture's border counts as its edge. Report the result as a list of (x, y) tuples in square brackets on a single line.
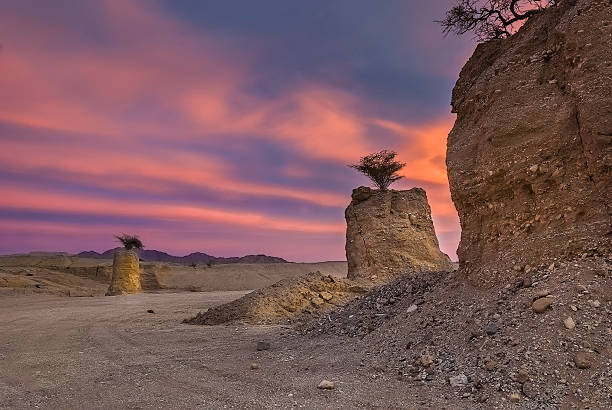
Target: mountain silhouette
[(152, 255)]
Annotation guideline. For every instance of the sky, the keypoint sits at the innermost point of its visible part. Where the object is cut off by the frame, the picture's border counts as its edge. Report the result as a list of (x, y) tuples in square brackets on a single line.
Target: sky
[(222, 127)]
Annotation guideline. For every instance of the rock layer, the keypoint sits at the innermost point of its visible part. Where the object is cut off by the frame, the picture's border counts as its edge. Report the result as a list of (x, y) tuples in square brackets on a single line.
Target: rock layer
[(126, 273), (530, 155), (390, 233)]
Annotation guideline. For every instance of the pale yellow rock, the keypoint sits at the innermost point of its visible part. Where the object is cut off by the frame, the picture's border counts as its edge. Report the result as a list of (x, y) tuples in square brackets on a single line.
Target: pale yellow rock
[(522, 376), (515, 397), (326, 296), (126, 273), (542, 304), (327, 385), (569, 323), (426, 360)]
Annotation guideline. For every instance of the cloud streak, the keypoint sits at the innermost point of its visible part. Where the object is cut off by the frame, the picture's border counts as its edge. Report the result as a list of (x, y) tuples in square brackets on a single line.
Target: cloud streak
[(124, 109)]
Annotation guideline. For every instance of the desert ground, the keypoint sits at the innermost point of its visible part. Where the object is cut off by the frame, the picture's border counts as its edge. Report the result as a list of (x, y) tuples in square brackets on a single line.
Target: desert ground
[(398, 346), (108, 352), (64, 275)]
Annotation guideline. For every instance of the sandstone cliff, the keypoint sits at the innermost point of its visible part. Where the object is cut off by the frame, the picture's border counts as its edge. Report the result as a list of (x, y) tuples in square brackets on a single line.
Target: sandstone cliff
[(389, 233), (529, 158)]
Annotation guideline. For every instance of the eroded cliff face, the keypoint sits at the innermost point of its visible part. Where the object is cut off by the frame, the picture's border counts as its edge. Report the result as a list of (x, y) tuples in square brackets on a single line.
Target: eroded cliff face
[(391, 233), (530, 156)]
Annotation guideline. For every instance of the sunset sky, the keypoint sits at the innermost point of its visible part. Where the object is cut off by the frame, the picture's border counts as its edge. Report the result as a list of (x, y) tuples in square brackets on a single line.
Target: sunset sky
[(216, 126)]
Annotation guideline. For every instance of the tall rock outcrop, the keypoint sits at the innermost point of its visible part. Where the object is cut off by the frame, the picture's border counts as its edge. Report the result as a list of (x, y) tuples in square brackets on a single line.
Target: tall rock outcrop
[(390, 233), (530, 156), (126, 273)]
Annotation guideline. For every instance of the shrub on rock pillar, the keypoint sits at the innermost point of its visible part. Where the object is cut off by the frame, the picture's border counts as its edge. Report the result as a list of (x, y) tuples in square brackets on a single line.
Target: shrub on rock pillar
[(126, 267), (389, 233)]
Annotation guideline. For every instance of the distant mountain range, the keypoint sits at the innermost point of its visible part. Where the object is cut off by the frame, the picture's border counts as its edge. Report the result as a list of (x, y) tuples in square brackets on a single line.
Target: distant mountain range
[(151, 255)]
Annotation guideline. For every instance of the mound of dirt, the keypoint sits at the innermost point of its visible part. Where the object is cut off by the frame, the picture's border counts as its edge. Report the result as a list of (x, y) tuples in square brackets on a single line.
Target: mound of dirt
[(286, 301), (16, 280), (237, 276), (489, 348)]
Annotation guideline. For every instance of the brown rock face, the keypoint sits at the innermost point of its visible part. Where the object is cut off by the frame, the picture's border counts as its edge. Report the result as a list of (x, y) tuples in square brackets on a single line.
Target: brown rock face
[(389, 233), (530, 155), (126, 273)]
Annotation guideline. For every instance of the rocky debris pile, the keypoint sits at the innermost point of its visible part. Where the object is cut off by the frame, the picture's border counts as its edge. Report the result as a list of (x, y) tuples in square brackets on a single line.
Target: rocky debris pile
[(286, 301), (372, 310), (390, 233), (489, 349), (530, 155)]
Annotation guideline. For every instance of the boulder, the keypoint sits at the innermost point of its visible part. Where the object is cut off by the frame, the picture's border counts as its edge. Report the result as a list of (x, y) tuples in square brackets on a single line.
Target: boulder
[(390, 233), (126, 273), (530, 155)]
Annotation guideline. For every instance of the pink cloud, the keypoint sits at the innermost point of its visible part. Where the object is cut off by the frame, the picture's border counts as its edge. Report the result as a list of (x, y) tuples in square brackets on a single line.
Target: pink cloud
[(22, 199), (160, 81)]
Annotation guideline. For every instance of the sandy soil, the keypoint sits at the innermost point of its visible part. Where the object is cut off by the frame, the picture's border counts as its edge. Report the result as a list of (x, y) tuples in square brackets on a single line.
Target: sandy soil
[(108, 352), (64, 275), (240, 276)]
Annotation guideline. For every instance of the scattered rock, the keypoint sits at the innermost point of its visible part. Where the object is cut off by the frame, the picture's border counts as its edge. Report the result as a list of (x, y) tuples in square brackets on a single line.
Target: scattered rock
[(522, 376), (569, 323), (317, 301), (491, 329), (490, 365), (326, 385), (541, 294), (150, 311), (540, 305), (426, 360), (326, 296), (583, 360), (514, 397), (530, 390), (263, 345), (458, 381), (254, 366), (412, 308), (595, 303)]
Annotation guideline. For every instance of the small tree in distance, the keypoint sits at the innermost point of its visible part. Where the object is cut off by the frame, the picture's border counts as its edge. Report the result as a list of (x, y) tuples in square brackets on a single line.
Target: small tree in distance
[(381, 167), (130, 241), (489, 19)]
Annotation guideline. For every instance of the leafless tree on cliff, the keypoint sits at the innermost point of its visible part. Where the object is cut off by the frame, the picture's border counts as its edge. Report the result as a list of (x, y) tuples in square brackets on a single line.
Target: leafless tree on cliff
[(129, 241), (381, 167), (489, 19)]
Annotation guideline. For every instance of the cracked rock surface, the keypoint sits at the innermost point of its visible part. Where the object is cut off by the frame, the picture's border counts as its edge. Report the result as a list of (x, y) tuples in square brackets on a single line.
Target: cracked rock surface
[(530, 155), (390, 233)]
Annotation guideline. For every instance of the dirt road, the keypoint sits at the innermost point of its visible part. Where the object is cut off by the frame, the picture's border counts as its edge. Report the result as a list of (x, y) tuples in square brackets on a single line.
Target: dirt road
[(108, 352)]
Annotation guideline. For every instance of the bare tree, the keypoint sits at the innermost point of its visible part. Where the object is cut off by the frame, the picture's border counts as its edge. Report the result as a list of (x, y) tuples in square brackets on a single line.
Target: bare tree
[(381, 167), (130, 241), (489, 19)]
